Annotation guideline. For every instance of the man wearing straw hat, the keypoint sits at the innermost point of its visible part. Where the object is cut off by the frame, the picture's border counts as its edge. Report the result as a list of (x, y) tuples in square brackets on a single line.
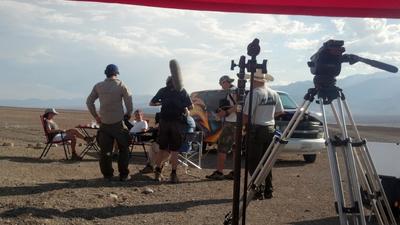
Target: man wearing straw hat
[(266, 105)]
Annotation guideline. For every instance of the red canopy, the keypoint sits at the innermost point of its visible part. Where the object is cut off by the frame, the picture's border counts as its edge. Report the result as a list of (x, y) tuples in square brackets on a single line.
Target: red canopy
[(346, 8)]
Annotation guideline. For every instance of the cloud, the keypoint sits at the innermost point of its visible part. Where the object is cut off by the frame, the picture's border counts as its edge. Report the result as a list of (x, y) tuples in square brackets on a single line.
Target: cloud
[(390, 34), (63, 18), (339, 24), (49, 32), (170, 32), (302, 44), (39, 54), (19, 12), (116, 43), (213, 27), (274, 24)]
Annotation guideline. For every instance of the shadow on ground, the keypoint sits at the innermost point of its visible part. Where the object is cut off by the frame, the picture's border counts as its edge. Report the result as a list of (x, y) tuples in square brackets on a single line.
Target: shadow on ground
[(24, 159), (111, 211), (137, 181)]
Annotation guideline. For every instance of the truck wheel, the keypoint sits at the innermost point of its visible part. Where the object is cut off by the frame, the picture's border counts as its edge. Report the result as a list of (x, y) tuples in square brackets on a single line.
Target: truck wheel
[(310, 158)]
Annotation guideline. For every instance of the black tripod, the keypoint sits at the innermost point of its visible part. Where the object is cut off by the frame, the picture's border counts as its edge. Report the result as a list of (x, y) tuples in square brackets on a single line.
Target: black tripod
[(362, 182)]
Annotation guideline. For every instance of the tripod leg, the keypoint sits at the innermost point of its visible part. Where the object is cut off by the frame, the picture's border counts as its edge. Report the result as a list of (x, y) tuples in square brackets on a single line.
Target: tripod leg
[(342, 126), (333, 164), (370, 179), (354, 185)]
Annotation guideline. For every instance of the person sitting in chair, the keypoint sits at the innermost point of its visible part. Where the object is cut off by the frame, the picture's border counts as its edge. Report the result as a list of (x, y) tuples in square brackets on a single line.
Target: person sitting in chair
[(139, 125), (140, 130), (57, 134)]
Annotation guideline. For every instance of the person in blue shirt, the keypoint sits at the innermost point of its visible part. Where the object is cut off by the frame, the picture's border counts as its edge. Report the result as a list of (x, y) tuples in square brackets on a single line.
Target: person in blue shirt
[(190, 128)]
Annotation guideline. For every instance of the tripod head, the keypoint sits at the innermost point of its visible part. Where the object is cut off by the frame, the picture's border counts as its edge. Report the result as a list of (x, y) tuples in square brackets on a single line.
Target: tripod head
[(326, 63), (253, 49)]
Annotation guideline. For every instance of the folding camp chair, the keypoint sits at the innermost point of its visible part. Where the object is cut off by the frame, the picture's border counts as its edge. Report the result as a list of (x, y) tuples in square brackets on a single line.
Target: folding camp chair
[(143, 139), (137, 140), (192, 149), (49, 141)]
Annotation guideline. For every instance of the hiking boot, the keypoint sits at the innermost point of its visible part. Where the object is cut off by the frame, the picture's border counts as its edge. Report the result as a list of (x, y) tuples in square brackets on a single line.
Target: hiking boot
[(76, 157), (147, 169), (258, 196), (174, 178), (229, 176), (216, 175), (268, 193)]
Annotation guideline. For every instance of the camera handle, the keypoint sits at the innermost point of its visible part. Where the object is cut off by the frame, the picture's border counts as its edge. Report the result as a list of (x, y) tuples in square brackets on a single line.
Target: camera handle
[(351, 59)]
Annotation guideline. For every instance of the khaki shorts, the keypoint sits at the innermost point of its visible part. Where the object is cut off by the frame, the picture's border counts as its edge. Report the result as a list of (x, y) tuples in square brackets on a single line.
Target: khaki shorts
[(227, 137)]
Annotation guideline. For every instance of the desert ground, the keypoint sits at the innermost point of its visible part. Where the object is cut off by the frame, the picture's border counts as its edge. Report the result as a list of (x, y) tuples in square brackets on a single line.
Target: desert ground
[(56, 191)]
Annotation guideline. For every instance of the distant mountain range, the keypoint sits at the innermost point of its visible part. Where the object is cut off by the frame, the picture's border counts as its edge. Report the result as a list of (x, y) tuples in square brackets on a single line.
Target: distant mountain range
[(372, 98), (368, 95), (139, 101)]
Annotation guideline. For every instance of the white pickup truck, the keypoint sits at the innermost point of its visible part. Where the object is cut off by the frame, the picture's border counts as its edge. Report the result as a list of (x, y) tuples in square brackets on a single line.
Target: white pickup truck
[(307, 139)]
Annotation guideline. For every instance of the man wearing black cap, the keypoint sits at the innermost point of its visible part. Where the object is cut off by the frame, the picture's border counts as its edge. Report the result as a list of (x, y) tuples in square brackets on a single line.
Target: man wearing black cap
[(110, 93), (227, 113)]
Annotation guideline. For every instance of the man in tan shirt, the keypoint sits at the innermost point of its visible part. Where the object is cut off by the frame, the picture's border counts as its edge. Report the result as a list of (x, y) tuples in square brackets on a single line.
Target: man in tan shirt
[(110, 93)]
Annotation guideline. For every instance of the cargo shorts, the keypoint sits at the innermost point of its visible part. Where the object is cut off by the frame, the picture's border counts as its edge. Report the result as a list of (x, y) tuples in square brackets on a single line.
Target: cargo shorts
[(227, 137)]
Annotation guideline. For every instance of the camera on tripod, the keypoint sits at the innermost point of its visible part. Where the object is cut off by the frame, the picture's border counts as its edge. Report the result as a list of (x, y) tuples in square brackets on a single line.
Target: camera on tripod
[(326, 63)]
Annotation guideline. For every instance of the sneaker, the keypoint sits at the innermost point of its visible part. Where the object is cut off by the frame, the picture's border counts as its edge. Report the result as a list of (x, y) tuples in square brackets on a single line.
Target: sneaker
[(216, 175), (108, 178), (123, 178), (76, 157), (147, 169), (158, 176), (229, 176), (174, 178)]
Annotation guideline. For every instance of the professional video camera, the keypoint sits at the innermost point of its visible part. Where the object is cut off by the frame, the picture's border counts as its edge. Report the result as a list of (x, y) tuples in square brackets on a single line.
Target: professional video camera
[(223, 105), (326, 63)]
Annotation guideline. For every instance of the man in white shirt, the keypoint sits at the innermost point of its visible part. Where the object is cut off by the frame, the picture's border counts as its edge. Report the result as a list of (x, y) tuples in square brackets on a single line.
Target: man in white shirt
[(139, 124), (266, 105)]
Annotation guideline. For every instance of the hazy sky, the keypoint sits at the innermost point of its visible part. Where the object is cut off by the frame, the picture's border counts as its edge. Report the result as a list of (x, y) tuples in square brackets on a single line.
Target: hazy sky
[(59, 49)]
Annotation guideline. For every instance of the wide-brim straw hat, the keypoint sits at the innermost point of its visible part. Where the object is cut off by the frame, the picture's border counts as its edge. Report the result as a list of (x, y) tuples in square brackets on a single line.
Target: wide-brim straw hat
[(50, 110), (260, 76)]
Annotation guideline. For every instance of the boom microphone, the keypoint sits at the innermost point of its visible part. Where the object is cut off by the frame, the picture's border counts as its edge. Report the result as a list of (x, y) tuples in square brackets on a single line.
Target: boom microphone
[(176, 74)]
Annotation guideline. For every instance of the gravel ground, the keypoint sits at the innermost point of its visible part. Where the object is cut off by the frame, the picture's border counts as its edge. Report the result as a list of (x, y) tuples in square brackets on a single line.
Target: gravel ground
[(56, 191)]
